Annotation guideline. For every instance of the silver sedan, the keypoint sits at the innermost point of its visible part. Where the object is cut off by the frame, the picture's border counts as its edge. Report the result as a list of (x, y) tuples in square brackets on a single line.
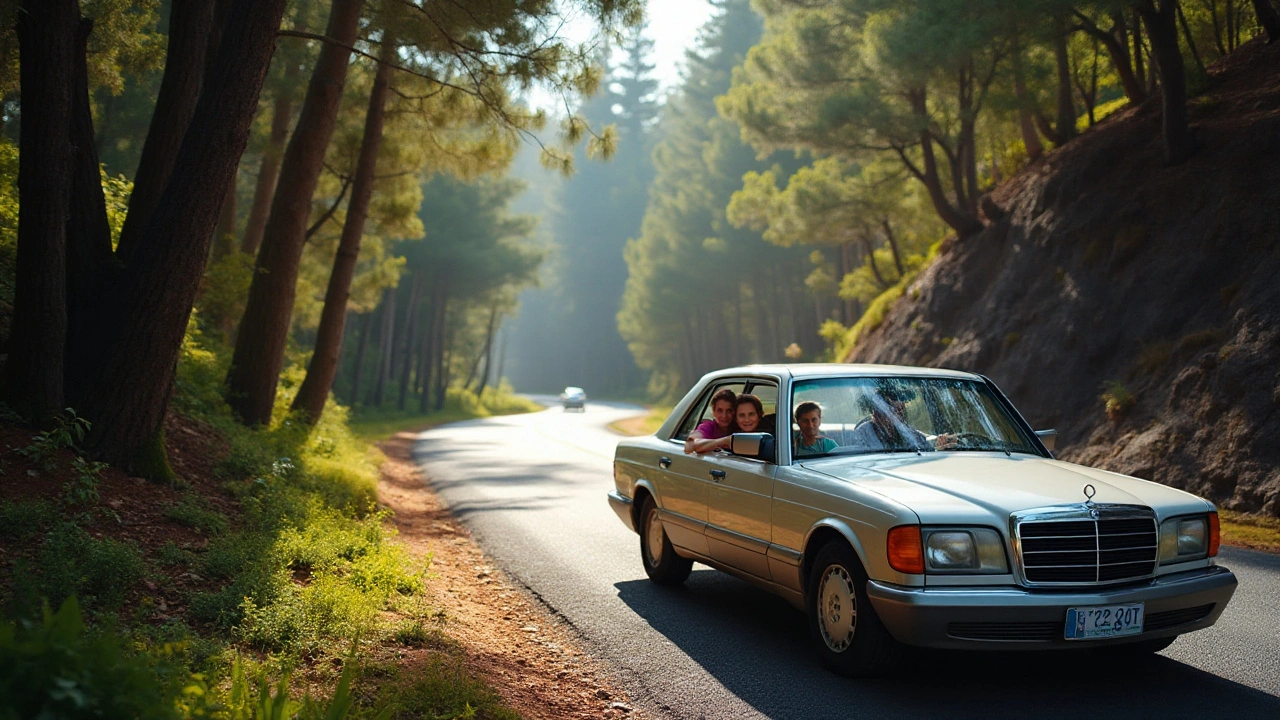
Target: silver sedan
[(909, 506)]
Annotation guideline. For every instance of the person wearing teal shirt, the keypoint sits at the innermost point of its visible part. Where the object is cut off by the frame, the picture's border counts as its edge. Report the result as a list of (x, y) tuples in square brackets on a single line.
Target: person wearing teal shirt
[(808, 416)]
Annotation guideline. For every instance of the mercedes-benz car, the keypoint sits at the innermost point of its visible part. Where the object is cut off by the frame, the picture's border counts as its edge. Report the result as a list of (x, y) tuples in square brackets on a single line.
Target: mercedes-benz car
[(917, 507)]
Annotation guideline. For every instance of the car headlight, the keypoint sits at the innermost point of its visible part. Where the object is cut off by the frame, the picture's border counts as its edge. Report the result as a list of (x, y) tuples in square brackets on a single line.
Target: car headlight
[(964, 550), (1187, 538)]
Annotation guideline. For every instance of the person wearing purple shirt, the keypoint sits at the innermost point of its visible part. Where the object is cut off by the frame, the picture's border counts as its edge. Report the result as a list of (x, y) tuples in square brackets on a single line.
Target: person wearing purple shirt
[(704, 436)]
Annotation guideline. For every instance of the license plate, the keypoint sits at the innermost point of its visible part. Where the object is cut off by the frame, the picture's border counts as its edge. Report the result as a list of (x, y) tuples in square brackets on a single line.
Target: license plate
[(1103, 621)]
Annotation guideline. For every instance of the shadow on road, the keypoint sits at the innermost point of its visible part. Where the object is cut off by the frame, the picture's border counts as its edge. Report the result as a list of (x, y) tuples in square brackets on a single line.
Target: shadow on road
[(756, 645)]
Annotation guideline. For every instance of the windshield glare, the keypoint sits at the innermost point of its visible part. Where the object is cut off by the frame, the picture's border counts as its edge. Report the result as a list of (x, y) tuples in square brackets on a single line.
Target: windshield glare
[(902, 414)]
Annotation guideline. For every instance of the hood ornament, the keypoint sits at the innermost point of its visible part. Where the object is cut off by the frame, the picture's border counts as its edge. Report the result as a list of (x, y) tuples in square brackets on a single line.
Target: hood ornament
[(1089, 492)]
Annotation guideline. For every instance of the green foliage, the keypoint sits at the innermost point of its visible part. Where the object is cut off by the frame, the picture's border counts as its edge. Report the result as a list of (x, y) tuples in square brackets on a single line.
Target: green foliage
[(71, 562), (1117, 401), (24, 519), (67, 430), (56, 667), (82, 488), (444, 687), (193, 512)]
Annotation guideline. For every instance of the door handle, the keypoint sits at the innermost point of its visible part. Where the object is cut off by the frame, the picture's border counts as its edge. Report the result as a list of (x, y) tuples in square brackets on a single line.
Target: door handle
[(664, 462), (718, 475)]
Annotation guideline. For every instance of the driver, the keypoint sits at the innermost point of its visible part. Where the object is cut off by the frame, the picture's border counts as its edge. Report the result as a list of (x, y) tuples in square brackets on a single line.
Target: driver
[(888, 428)]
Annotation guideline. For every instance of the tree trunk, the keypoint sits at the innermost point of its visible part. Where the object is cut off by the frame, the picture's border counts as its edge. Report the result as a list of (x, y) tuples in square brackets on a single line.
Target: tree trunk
[(1191, 41), (46, 32), (269, 169), (1268, 18), (386, 343), (91, 267), (264, 330), (893, 247), (1160, 19), (151, 306), (1065, 126), (224, 236), (324, 361), (962, 222), (190, 24), (361, 343), (488, 352), (1026, 125), (411, 323), (441, 360)]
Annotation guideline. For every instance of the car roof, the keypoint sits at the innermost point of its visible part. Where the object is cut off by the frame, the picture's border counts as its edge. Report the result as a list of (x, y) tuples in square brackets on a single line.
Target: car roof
[(820, 370)]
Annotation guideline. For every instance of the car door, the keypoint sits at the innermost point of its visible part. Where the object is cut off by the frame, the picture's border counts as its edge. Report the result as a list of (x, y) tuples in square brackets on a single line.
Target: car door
[(740, 500), (687, 477)]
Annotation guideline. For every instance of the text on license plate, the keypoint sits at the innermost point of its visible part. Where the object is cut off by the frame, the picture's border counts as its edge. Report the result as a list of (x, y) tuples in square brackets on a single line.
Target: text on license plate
[(1103, 621)]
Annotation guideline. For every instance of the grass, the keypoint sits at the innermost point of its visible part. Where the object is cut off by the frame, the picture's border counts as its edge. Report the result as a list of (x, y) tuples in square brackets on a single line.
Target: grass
[(1250, 531), (376, 425), (647, 424), (308, 571)]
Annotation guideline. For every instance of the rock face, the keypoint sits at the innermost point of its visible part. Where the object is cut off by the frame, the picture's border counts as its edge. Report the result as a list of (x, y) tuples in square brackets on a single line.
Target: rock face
[(1101, 269)]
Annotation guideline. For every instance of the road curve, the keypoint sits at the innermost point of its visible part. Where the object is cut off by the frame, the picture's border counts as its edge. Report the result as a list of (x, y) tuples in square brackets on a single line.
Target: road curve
[(532, 490)]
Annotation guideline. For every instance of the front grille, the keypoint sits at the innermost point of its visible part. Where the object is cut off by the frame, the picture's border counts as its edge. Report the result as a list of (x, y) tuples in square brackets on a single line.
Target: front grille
[(1006, 631), (1174, 618), (1070, 546)]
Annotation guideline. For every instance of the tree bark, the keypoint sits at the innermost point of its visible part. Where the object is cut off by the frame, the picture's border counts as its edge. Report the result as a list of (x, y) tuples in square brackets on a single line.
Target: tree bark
[(411, 322), (488, 352), (1026, 125), (324, 361), (386, 342), (269, 169), (151, 305), (46, 32), (190, 24), (1160, 19), (224, 236), (1115, 41), (1268, 18), (963, 223), (264, 329), (361, 343), (1065, 126), (91, 268)]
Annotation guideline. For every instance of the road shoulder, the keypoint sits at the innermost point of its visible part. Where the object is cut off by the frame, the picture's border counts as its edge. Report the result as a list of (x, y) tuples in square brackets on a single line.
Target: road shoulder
[(535, 661)]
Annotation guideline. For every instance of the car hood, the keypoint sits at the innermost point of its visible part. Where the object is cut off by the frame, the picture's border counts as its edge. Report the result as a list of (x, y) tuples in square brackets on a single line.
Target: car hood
[(962, 487)]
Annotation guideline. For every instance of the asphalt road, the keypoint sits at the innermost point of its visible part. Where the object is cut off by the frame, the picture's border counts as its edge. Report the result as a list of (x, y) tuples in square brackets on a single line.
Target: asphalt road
[(532, 490)]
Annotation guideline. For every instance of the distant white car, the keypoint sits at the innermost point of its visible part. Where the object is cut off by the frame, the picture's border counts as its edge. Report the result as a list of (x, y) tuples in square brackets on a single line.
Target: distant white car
[(926, 512), (573, 398)]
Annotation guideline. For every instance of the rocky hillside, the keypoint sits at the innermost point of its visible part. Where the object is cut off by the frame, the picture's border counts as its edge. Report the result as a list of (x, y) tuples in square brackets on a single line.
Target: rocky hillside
[(1108, 273)]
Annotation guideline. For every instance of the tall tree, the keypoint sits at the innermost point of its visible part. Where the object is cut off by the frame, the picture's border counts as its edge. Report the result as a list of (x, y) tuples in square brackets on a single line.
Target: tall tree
[(483, 48), (264, 329)]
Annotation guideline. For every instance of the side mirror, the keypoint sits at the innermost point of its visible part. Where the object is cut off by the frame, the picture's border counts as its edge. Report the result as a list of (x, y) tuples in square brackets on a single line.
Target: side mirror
[(1049, 438), (753, 445)]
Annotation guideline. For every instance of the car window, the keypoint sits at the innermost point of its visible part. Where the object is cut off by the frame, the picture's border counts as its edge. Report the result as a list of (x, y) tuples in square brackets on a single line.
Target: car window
[(701, 409)]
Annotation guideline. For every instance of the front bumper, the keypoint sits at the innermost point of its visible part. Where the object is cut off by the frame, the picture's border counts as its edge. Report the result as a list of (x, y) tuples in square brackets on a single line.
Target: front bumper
[(1021, 619), (621, 504)]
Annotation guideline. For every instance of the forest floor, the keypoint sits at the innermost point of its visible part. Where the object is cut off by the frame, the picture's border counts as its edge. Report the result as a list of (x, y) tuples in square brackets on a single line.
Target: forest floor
[(534, 660)]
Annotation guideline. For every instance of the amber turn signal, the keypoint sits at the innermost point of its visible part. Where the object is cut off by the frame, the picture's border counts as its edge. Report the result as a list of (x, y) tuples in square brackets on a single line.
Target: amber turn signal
[(906, 550), (1215, 534)]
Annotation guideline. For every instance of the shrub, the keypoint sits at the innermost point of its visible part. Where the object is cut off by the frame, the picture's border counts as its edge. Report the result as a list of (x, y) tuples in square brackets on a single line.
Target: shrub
[(71, 562), (192, 512), (1117, 400), (24, 519), (57, 668)]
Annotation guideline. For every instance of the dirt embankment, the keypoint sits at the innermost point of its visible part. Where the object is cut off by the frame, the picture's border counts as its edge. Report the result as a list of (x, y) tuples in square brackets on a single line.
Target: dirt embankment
[(1106, 268)]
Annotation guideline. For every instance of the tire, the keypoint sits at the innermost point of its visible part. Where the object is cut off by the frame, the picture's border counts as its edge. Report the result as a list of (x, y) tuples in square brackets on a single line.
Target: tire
[(845, 629), (661, 563)]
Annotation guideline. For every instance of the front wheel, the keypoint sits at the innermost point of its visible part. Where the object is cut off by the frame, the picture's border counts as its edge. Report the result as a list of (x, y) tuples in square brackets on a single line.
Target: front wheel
[(661, 563), (845, 629)]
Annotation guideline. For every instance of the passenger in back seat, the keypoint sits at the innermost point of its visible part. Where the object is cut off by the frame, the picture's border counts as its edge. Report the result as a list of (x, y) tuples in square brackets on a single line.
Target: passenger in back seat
[(808, 442)]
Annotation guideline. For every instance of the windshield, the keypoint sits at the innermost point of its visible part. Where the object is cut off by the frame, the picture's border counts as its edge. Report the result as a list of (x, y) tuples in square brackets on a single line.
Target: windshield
[(851, 416)]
